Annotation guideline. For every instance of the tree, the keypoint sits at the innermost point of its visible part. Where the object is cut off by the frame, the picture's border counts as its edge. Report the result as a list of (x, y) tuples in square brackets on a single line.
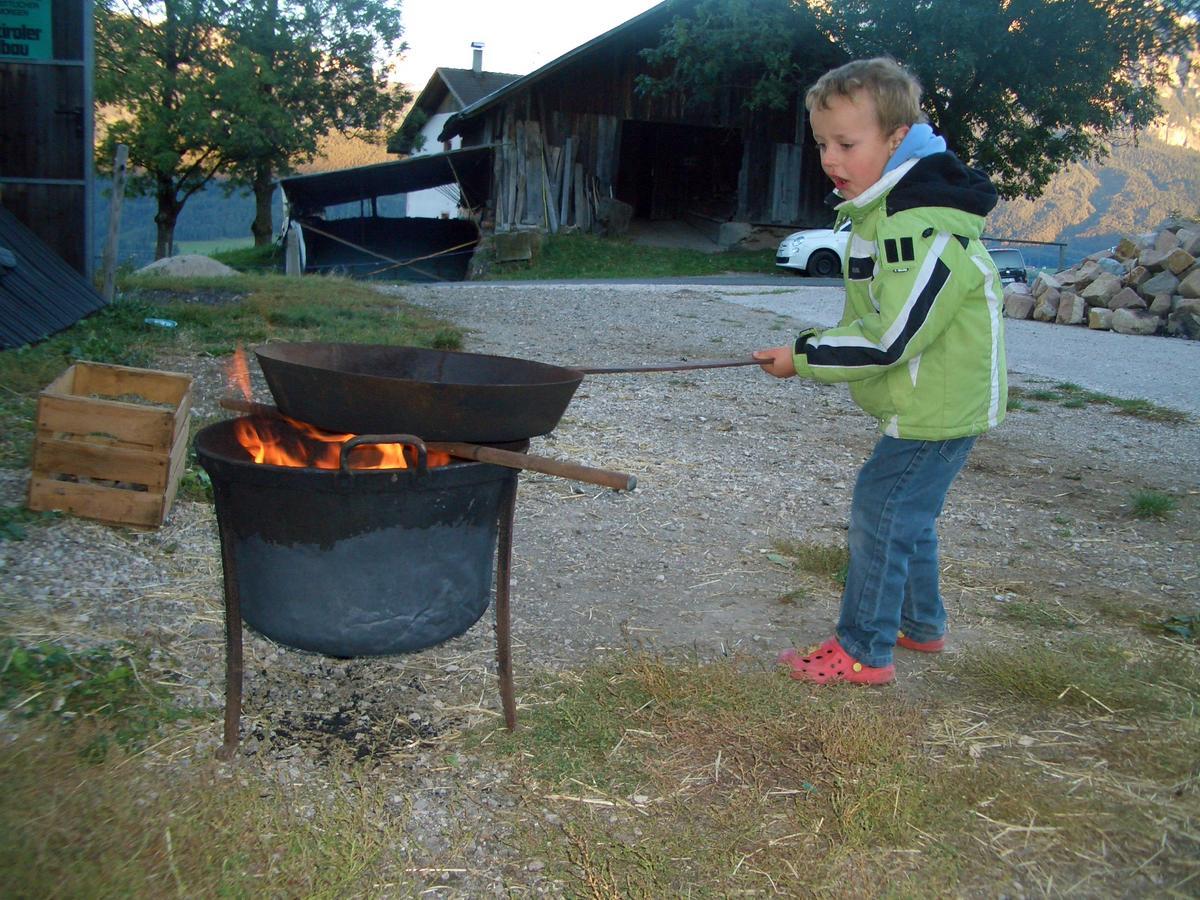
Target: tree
[(762, 50), (1018, 87), (154, 65), (297, 71)]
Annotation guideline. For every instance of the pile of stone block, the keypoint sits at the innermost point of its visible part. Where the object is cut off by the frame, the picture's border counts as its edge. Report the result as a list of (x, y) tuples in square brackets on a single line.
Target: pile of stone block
[(1149, 284)]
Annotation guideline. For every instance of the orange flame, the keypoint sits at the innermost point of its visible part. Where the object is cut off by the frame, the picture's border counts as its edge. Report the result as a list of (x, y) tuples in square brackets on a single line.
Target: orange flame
[(238, 374), (300, 445)]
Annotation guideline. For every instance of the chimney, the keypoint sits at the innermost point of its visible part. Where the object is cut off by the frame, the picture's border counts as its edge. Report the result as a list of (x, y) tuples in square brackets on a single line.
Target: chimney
[(477, 57)]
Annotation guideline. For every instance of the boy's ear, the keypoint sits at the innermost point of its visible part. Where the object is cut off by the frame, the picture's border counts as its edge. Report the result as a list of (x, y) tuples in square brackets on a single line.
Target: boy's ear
[(896, 138)]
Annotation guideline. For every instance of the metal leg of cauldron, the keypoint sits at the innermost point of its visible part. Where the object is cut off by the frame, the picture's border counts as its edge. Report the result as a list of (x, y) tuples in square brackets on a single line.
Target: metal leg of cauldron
[(508, 507), (233, 651)]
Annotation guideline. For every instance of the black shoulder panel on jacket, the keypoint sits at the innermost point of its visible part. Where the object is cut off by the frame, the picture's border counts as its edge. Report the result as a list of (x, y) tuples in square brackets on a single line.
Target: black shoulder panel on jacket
[(942, 180)]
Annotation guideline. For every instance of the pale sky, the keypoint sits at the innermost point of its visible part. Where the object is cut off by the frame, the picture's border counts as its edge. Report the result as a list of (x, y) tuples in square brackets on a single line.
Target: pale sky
[(518, 35)]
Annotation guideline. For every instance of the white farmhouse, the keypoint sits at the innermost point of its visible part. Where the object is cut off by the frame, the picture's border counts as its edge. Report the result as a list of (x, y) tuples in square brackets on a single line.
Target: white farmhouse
[(446, 92)]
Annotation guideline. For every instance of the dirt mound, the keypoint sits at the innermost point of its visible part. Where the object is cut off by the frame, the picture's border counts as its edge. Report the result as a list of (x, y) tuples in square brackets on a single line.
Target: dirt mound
[(189, 265)]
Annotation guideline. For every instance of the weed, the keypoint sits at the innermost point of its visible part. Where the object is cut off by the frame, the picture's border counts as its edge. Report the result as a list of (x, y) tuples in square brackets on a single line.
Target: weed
[(817, 559), (791, 598), (268, 258), (1186, 627), (1141, 409), (1152, 505), (1039, 615), (13, 520), (102, 685), (1084, 673)]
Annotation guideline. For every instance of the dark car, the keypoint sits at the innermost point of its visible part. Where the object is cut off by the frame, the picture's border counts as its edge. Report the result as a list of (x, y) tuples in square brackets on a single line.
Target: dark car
[(1010, 263)]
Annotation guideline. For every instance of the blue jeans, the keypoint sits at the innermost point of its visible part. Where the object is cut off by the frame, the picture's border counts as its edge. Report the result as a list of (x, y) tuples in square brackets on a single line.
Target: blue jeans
[(892, 583)]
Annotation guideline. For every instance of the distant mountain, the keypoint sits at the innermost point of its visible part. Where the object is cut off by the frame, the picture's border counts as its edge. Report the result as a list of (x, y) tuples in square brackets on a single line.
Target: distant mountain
[(1093, 206)]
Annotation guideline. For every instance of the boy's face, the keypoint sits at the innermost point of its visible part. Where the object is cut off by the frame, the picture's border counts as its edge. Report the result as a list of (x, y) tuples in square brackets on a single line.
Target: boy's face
[(854, 149)]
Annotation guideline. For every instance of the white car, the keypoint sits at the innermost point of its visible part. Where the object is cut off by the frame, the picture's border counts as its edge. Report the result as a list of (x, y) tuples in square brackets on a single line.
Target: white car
[(819, 252)]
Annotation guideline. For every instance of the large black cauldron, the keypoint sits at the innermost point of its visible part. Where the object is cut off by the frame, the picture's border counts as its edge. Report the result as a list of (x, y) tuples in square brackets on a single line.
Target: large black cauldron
[(355, 562)]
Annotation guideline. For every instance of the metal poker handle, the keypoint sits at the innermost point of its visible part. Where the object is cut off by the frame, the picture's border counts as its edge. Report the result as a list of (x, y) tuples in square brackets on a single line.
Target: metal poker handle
[(672, 367)]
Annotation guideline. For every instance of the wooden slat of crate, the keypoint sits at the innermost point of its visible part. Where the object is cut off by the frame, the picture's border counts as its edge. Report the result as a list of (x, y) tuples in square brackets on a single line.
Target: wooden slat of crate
[(96, 501), (65, 407), (116, 381), (87, 459), (175, 473)]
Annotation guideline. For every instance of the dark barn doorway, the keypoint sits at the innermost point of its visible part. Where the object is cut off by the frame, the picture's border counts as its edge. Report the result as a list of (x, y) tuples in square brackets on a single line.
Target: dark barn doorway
[(666, 170)]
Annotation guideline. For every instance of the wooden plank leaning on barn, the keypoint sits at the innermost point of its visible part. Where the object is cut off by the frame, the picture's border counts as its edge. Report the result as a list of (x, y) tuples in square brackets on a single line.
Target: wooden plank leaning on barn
[(535, 177), (568, 166)]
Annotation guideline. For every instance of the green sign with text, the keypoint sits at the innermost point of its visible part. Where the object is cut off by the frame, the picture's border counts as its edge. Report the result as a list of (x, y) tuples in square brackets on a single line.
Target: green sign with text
[(25, 29)]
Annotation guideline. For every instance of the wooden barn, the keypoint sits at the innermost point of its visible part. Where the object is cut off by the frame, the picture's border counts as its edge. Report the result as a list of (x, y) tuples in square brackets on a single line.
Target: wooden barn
[(576, 132)]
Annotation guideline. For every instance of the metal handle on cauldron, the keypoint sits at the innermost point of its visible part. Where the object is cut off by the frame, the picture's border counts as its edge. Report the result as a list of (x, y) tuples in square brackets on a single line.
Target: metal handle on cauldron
[(670, 367), (411, 439)]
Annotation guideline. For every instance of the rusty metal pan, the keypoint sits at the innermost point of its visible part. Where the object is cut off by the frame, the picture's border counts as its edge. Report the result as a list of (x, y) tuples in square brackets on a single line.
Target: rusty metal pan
[(440, 395)]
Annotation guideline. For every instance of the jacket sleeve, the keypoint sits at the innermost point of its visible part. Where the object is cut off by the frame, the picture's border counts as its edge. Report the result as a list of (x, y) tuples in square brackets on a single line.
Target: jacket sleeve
[(917, 290)]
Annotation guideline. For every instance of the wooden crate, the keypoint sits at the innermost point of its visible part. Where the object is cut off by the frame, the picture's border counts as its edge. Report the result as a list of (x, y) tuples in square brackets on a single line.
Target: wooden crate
[(111, 443)]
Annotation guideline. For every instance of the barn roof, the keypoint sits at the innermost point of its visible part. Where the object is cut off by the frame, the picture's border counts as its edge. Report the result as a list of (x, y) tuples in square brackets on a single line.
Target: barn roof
[(452, 126), (39, 293), (468, 167)]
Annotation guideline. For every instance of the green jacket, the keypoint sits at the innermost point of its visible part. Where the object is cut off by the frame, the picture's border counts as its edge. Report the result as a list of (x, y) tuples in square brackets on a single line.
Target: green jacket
[(921, 339)]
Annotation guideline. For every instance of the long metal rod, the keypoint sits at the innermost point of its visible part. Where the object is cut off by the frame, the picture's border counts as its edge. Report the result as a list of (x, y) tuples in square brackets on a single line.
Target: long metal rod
[(670, 367), (508, 508), (233, 643)]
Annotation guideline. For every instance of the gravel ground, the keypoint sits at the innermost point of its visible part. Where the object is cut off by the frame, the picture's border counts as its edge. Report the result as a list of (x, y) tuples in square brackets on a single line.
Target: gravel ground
[(728, 462)]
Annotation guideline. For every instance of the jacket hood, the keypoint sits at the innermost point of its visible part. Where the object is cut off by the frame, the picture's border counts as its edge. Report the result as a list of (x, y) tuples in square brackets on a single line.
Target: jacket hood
[(921, 141), (942, 180)]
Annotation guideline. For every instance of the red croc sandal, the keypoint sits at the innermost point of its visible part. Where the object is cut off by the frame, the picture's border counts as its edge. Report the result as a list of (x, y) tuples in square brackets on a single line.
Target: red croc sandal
[(829, 663), (934, 646)]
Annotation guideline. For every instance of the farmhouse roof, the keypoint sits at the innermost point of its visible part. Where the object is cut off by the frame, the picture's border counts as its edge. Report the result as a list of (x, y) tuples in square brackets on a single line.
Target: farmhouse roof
[(465, 85), (468, 167), (497, 96), (39, 293)]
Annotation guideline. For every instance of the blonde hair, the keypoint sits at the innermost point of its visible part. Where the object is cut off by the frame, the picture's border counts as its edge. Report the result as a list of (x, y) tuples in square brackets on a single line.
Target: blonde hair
[(895, 90)]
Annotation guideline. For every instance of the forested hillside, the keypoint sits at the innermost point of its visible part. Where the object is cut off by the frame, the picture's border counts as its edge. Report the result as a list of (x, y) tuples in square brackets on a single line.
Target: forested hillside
[(1092, 206)]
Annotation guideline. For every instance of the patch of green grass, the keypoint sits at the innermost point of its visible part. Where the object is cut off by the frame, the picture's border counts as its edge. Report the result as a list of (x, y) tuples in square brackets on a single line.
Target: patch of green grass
[(1152, 505), (102, 685), (14, 519), (119, 827), (1186, 627), (674, 779), (1039, 615), (1085, 672), (831, 561), (589, 256), (1073, 396)]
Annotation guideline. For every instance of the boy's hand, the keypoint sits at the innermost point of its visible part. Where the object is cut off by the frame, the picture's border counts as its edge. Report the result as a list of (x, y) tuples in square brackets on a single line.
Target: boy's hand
[(777, 361)]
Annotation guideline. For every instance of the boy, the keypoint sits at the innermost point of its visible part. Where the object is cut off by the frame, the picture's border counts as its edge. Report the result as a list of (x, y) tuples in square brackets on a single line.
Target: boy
[(921, 342)]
